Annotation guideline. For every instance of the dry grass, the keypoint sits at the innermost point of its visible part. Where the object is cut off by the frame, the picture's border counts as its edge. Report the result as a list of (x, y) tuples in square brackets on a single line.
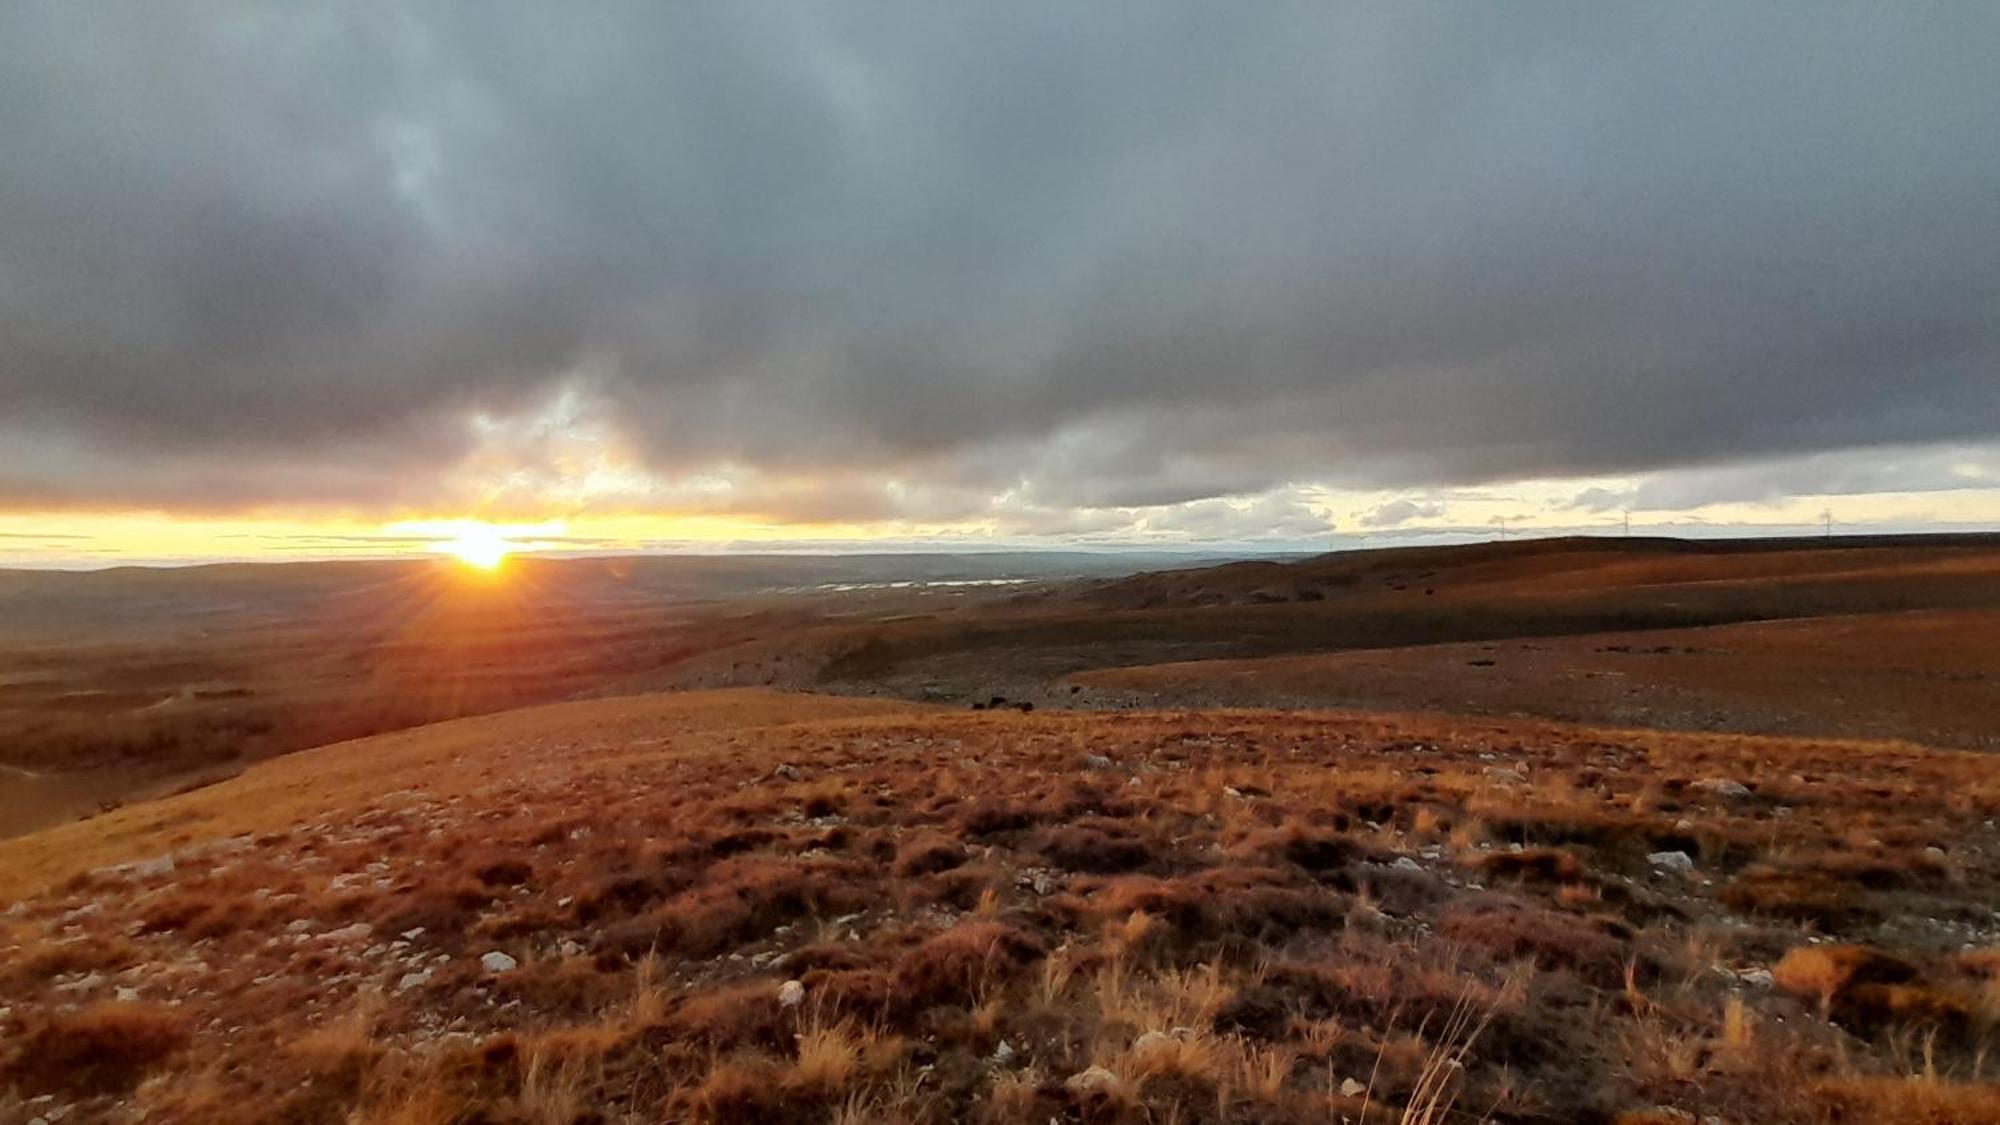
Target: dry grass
[(1245, 918)]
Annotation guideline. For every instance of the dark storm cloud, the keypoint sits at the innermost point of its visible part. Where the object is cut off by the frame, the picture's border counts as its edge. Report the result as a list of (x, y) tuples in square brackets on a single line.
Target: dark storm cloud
[(1097, 255)]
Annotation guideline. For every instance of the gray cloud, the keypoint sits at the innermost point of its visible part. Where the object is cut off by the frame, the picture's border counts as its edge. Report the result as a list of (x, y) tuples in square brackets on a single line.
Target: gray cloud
[(1838, 473), (1396, 513), (1103, 257)]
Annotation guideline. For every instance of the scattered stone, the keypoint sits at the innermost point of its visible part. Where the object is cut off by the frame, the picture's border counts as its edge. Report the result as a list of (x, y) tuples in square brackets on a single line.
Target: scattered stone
[(1003, 1054), (413, 980), (1504, 775), (1405, 863), (298, 926), (495, 961), (1671, 861), (791, 994), (1096, 762), (1349, 1088), (359, 931), (412, 933), (1152, 1040), (1721, 787)]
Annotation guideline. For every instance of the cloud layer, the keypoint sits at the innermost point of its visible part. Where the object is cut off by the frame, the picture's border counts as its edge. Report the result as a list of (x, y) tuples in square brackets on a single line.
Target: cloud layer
[(850, 262)]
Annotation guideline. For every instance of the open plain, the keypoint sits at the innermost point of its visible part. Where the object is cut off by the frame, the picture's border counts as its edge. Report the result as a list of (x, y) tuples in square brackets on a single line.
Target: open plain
[(1537, 832)]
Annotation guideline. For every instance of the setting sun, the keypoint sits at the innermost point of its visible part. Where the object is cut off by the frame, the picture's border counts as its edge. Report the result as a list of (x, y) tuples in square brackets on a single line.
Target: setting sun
[(480, 546)]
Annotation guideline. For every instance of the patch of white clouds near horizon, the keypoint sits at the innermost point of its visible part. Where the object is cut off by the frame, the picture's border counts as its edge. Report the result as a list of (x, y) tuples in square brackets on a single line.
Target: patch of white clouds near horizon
[(608, 502)]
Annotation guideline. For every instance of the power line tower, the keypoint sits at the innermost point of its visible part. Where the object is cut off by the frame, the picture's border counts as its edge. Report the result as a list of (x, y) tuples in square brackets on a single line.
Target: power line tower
[(1826, 518)]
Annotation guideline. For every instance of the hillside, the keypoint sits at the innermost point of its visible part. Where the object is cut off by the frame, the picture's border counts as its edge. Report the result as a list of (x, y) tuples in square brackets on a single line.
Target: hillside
[(168, 679), (1035, 645), (748, 906)]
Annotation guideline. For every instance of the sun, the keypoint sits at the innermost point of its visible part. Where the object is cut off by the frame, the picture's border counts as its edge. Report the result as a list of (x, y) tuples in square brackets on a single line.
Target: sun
[(480, 547)]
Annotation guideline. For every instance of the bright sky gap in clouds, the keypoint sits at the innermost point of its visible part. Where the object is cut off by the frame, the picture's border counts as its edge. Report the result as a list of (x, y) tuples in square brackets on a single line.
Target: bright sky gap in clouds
[(278, 280)]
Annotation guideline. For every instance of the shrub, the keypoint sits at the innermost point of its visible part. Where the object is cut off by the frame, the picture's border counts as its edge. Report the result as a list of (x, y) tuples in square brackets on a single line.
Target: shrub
[(927, 855), (1596, 949), (1097, 846), (104, 1048), (954, 965)]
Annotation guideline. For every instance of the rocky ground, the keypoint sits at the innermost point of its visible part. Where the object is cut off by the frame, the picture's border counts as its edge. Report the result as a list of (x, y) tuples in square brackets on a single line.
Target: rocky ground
[(743, 908)]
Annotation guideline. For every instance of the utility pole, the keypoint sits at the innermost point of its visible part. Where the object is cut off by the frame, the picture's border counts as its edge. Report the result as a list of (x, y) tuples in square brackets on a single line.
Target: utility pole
[(1826, 515), (1628, 525)]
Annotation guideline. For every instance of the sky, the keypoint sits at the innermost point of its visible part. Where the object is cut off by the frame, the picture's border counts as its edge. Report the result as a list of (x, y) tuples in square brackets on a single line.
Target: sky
[(305, 280)]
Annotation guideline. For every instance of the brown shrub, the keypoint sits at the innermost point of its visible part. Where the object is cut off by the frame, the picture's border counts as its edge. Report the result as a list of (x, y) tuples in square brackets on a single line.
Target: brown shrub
[(1869, 990), (1830, 904), (743, 1088), (1235, 906), (1537, 865), (89, 954), (927, 855), (1315, 850), (744, 899), (1901, 1101), (198, 913), (1098, 846), (743, 1016), (954, 965), (104, 1048), (443, 907), (991, 816), (1981, 962), (1595, 949), (1828, 972), (502, 871), (865, 993)]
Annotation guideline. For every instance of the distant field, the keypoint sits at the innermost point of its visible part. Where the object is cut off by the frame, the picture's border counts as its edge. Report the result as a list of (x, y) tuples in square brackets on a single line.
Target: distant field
[(1929, 676), (123, 684), (1039, 647)]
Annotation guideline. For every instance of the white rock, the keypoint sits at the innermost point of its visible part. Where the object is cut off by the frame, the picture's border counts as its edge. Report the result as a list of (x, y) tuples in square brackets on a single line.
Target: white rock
[(1405, 863), (298, 926), (412, 934), (1003, 1054), (1671, 861), (413, 980), (359, 931), (791, 994), (1152, 1040), (1096, 762), (127, 995), (494, 961), (1349, 1088), (1722, 787)]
